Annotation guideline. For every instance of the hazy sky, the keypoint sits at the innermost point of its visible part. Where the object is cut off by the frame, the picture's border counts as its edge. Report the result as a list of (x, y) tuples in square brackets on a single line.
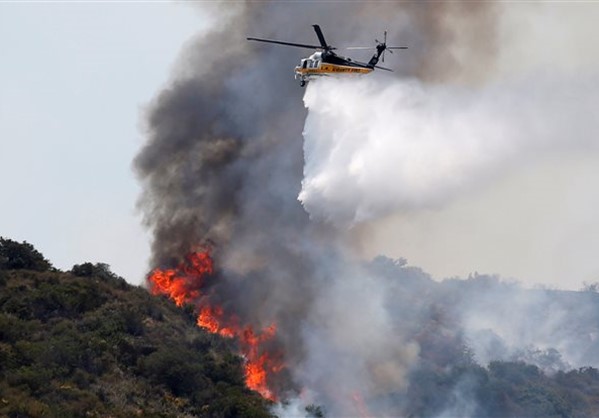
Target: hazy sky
[(74, 79)]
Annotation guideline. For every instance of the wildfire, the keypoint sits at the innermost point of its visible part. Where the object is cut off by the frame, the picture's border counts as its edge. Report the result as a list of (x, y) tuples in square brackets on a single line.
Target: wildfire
[(183, 285), (258, 365), (211, 319)]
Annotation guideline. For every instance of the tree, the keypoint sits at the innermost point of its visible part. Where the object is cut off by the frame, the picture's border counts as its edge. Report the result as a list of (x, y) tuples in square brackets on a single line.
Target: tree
[(591, 287), (21, 256), (314, 411)]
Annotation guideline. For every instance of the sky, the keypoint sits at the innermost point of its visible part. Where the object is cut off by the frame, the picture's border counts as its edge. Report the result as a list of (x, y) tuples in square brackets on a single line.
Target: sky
[(74, 81)]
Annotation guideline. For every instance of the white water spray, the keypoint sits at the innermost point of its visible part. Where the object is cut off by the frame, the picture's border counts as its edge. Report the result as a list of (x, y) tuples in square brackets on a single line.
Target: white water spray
[(375, 146)]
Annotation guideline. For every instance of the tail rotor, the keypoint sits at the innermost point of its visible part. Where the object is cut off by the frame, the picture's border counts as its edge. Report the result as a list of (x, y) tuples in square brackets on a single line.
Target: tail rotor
[(381, 48), (384, 48)]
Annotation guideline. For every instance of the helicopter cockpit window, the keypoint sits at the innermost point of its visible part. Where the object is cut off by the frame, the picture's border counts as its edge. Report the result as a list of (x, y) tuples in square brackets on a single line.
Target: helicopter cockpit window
[(304, 64)]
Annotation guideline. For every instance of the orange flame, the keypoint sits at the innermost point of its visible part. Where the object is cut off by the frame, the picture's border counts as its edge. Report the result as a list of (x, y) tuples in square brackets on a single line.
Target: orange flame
[(257, 364), (210, 318), (183, 285)]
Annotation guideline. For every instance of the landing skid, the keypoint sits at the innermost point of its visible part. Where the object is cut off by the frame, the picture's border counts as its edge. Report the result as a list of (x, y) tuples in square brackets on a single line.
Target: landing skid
[(303, 80)]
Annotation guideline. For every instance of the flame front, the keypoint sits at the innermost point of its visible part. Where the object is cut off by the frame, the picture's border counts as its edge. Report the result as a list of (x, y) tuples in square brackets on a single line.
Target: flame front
[(184, 284), (258, 365), (211, 318), (258, 362)]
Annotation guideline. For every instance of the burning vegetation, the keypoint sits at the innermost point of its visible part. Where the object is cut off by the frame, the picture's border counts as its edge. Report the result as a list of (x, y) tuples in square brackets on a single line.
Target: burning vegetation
[(185, 284)]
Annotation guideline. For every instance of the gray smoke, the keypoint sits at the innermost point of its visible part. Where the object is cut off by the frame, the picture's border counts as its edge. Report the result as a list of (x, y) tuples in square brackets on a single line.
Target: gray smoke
[(223, 165)]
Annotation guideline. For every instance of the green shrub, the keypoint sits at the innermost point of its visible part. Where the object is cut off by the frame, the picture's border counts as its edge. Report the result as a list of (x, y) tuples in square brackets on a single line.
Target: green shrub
[(16, 256), (83, 270), (174, 368), (34, 378)]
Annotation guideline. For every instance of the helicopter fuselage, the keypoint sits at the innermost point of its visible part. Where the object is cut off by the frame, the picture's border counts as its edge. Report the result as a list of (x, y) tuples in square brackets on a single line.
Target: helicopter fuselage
[(324, 64)]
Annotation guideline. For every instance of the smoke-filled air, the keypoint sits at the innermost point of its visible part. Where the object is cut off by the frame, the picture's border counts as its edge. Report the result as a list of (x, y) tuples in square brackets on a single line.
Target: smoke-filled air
[(263, 197)]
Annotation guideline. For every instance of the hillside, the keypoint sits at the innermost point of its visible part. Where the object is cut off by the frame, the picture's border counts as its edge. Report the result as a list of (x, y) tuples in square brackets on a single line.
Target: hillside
[(490, 348), (86, 343)]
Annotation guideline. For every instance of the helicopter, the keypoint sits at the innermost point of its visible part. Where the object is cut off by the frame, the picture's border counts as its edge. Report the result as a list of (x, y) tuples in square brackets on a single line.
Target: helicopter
[(325, 62)]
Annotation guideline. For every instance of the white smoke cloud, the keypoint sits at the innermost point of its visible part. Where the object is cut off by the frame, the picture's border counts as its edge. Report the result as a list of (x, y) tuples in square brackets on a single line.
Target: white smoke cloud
[(374, 147), (354, 349), (353, 346)]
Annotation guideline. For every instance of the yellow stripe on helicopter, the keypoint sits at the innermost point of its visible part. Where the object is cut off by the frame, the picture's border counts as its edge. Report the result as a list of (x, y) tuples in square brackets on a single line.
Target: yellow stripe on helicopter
[(333, 69)]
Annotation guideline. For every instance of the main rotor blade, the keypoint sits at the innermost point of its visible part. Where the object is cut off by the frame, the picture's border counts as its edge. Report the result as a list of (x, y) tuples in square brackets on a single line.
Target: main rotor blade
[(364, 65), (271, 41), (372, 47), (383, 68), (323, 43)]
